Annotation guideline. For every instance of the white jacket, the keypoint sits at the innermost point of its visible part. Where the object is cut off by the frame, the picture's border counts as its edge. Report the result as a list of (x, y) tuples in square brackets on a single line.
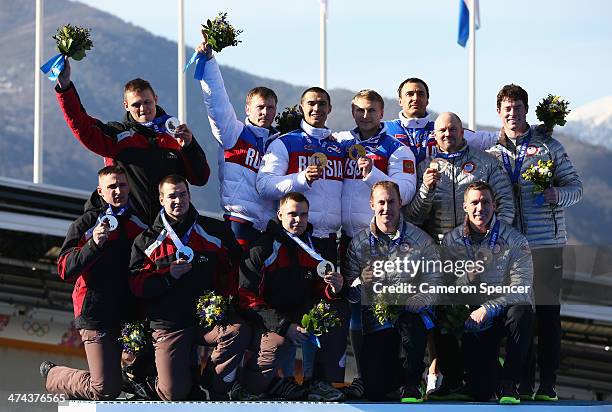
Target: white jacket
[(283, 171), (391, 161), (241, 147)]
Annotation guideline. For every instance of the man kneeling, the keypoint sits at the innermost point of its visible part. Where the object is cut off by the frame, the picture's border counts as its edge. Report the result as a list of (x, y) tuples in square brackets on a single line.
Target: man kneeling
[(505, 260), (180, 258), (279, 283)]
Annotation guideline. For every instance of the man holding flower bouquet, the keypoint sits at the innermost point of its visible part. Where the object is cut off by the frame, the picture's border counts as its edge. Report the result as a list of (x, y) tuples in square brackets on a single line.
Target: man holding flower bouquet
[(545, 182), (281, 280), (96, 255), (180, 258), (149, 144), (241, 146)]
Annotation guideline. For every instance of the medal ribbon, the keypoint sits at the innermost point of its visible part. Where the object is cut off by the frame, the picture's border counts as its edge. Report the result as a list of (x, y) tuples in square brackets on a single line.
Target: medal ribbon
[(394, 242), (492, 240), (515, 174), (307, 248), (158, 124), (422, 135), (55, 65), (450, 156), (109, 211), (175, 239)]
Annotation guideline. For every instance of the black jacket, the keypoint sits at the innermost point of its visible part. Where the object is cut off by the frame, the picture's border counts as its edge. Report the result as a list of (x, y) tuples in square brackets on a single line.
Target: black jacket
[(172, 302), (101, 296), (279, 281), (146, 156)]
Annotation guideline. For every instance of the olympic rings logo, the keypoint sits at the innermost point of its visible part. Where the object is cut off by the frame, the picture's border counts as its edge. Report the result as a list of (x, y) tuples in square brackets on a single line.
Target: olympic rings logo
[(35, 328)]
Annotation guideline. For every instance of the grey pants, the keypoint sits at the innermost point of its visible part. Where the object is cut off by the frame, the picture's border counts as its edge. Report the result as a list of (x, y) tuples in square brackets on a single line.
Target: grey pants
[(103, 380), (174, 351)]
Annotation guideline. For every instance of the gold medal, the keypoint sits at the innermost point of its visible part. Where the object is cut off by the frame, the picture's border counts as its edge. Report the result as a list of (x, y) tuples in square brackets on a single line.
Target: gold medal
[(317, 159), (356, 151)]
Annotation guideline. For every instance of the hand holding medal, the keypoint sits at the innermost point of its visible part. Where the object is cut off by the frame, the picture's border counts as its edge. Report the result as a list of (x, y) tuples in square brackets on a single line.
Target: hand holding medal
[(179, 131), (100, 232), (316, 163), (432, 174), (364, 164), (326, 270)]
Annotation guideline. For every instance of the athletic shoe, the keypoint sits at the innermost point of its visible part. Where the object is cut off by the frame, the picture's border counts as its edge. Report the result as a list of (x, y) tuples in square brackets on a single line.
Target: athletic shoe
[(411, 394), (45, 367), (546, 392), (447, 393), (525, 391), (324, 392), (286, 389), (355, 390), (508, 395), (239, 393)]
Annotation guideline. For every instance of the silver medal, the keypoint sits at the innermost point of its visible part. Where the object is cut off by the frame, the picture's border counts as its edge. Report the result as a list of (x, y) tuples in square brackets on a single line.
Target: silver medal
[(171, 124), (185, 253), (324, 267), (112, 221)]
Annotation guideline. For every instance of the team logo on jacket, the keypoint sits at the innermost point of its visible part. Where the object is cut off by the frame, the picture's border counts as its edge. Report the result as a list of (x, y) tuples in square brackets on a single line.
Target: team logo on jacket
[(334, 148), (332, 168), (468, 167), (532, 150), (408, 166)]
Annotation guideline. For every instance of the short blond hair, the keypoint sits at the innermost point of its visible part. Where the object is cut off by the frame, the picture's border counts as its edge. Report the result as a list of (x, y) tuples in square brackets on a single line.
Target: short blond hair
[(369, 95)]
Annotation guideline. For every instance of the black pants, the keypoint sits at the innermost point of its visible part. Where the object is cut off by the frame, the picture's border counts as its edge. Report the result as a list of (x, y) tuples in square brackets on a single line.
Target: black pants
[(380, 361), (481, 352), (329, 361), (449, 358), (547, 275)]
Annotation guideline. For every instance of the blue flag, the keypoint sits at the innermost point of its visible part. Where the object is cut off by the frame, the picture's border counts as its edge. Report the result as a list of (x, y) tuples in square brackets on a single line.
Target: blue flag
[(464, 20)]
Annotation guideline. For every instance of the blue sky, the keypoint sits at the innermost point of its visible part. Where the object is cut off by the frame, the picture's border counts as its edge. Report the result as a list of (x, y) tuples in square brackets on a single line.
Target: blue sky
[(546, 46)]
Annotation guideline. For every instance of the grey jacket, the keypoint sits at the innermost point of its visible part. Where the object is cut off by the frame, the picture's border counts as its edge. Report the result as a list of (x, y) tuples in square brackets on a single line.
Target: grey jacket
[(368, 246), (509, 264), (544, 226), (440, 210)]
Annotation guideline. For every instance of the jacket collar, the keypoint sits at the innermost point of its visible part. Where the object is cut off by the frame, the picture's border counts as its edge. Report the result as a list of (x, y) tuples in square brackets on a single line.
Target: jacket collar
[(505, 140), (278, 231), (415, 122), (382, 130), (318, 133), (466, 227), (261, 132), (376, 233), (179, 226)]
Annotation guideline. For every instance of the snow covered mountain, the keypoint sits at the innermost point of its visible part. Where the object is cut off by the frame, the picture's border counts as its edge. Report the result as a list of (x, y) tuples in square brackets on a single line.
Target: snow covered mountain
[(591, 122)]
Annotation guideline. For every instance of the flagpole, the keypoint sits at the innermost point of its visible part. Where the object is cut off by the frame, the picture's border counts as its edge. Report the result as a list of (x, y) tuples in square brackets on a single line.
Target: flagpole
[(323, 43), (182, 112), (472, 67), (37, 175)]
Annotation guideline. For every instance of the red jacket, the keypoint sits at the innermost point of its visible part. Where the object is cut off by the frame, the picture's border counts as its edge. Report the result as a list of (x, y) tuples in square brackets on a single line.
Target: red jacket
[(147, 156), (172, 302), (101, 296)]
